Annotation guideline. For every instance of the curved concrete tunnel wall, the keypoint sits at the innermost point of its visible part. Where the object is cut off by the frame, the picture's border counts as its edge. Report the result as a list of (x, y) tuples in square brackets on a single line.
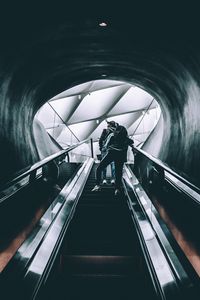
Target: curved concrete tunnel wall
[(72, 55)]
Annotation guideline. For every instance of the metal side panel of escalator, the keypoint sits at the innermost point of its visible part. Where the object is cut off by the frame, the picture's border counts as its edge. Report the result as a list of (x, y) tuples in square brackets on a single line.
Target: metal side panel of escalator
[(27, 242), (100, 256), (99, 246)]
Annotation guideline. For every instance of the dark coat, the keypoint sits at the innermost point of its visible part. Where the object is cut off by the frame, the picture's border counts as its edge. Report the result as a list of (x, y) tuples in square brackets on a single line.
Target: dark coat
[(118, 144)]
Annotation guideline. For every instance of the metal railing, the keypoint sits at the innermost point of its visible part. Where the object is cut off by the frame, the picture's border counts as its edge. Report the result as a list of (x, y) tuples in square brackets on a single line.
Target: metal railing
[(159, 167), (31, 171), (172, 279)]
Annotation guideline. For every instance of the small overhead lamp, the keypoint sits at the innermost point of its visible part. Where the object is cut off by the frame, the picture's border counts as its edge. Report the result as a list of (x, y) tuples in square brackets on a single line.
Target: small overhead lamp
[(97, 121), (79, 97), (103, 24)]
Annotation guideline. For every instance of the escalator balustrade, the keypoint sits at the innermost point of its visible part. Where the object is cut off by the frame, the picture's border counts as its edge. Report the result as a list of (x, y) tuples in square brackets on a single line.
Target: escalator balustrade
[(100, 257)]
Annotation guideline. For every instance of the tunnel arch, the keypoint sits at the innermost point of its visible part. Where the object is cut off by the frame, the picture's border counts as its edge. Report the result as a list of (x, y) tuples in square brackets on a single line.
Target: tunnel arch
[(73, 54)]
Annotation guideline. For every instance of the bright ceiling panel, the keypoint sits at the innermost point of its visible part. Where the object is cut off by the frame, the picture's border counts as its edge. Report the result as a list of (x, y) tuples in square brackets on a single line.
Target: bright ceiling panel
[(83, 130), (145, 123), (134, 99), (48, 117), (66, 137), (65, 106), (97, 104)]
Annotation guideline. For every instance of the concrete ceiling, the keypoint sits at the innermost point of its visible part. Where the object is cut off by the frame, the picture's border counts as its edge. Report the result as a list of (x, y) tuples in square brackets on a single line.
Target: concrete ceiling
[(50, 47)]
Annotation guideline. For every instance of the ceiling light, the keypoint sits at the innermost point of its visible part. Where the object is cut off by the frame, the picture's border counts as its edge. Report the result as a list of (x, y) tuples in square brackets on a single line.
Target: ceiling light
[(79, 97), (103, 24)]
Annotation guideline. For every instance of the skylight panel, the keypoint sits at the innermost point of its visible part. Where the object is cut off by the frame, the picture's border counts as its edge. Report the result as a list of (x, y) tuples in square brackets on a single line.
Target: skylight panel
[(48, 117), (96, 104), (134, 99), (84, 129), (65, 106)]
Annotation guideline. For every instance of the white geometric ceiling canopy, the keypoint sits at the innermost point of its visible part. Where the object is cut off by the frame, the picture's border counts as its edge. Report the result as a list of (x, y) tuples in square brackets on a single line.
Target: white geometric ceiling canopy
[(83, 109), (98, 103), (88, 87)]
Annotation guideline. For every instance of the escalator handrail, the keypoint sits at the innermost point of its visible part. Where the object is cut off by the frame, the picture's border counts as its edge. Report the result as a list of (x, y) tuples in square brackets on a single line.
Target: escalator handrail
[(32, 169), (47, 250), (165, 167), (179, 277)]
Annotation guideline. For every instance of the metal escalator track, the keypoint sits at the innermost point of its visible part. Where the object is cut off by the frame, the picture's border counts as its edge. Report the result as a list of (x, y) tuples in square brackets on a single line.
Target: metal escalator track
[(22, 208), (26, 208), (100, 257), (97, 246), (175, 277)]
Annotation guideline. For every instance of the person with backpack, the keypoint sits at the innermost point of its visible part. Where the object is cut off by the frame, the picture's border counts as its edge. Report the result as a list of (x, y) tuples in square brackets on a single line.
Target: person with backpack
[(117, 145)]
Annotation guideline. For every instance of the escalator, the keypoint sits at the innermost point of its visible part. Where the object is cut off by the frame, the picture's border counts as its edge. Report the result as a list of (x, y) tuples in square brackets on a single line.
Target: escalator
[(94, 245), (100, 257), (21, 211), (168, 234), (175, 199)]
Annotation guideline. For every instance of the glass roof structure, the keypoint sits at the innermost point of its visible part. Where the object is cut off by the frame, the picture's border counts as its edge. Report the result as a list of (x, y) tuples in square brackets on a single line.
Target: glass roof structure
[(80, 112)]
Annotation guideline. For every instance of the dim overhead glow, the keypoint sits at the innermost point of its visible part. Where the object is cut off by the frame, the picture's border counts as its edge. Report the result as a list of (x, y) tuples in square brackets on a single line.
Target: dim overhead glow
[(103, 24)]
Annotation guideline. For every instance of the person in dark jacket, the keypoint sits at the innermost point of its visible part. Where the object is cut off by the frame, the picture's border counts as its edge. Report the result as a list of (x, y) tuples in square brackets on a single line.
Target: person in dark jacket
[(117, 145), (102, 147)]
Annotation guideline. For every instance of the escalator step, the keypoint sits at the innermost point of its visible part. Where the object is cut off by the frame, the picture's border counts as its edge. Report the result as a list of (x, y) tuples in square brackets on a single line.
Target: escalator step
[(99, 265)]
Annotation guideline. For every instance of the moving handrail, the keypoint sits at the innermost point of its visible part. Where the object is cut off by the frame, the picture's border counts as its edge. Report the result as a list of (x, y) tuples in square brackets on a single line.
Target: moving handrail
[(170, 277), (29, 269), (164, 167), (33, 169)]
